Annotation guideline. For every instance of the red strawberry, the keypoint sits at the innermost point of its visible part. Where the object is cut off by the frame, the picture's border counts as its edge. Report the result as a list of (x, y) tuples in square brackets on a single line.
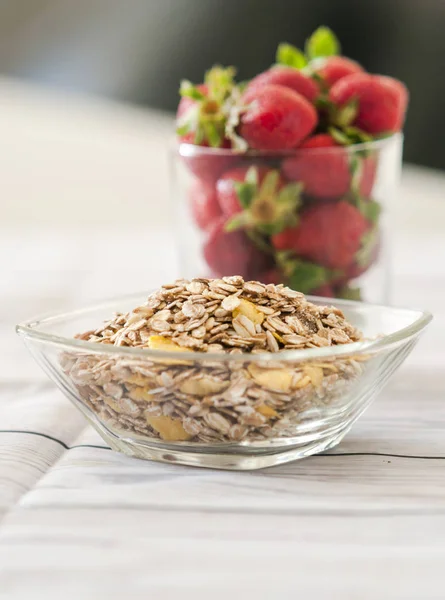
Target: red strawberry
[(287, 77), (382, 101), (204, 205), (333, 68), (207, 163), (226, 187), (323, 169), (232, 253), (202, 114), (328, 234), (325, 291), (369, 256), (272, 276), (322, 165), (276, 118)]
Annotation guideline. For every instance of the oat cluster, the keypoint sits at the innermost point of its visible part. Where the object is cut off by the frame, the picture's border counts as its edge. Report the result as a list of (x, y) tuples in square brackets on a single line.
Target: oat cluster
[(218, 315)]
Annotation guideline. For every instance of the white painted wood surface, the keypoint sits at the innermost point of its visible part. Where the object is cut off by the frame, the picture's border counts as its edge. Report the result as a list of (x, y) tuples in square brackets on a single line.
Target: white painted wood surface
[(78, 521)]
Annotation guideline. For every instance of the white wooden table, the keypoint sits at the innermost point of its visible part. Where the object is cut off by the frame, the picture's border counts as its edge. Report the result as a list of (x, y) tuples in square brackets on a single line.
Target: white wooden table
[(83, 215)]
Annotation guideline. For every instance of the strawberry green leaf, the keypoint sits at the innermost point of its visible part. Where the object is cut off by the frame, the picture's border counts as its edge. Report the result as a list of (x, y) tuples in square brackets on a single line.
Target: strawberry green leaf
[(339, 136), (219, 76), (345, 115), (252, 176), (208, 115), (189, 120), (212, 134), (348, 135), (322, 42), (289, 198), (290, 56), (372, 211), (274, 209), (238, 221), (199, 135), (349, 293), (242, 85), (355, 165), (383, 135), (357, 135), (270, 184), (246, 192), (307, 277), (303, 275), (319, 79), (267, 210), (263, 212), (356, 170), (187, 89), (278, 225), (369, 241), (323, 103), (369, 208), (285, 259), (259, 240), (183, 129), (220, 82)]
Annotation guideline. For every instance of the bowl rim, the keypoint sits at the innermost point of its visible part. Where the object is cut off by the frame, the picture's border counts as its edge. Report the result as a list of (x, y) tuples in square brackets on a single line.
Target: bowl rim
[(186, 149), (29, 330)]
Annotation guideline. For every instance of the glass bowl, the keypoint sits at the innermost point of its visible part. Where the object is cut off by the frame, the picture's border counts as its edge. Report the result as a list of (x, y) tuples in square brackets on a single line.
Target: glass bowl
[(238, 411), (315, 219)]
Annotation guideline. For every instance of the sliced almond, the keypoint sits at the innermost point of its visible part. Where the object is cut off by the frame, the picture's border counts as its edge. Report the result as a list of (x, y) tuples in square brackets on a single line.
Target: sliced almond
[(267, 411), (170, 430), (249, 310), (138, 379), (203, 386), (159, 342), (315, 374), (276, 380), (139, 393), (301, 383)]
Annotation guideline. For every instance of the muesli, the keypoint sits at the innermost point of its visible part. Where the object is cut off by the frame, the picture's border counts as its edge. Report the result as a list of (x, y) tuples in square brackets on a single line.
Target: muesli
[(228, 395)]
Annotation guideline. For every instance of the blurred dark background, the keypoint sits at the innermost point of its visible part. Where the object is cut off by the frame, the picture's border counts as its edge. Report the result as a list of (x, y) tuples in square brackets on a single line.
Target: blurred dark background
[(138, 50)]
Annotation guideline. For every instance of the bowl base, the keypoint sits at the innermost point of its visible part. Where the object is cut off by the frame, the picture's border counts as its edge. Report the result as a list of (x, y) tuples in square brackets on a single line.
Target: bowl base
[(244, 460)]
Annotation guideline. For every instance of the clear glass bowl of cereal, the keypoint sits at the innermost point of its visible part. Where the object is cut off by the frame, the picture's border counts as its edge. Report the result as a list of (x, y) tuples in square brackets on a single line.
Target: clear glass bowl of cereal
[(223, 373)]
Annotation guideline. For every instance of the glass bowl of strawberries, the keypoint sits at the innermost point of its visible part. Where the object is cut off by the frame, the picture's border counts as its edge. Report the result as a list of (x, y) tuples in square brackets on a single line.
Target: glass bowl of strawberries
[(289, 177)]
